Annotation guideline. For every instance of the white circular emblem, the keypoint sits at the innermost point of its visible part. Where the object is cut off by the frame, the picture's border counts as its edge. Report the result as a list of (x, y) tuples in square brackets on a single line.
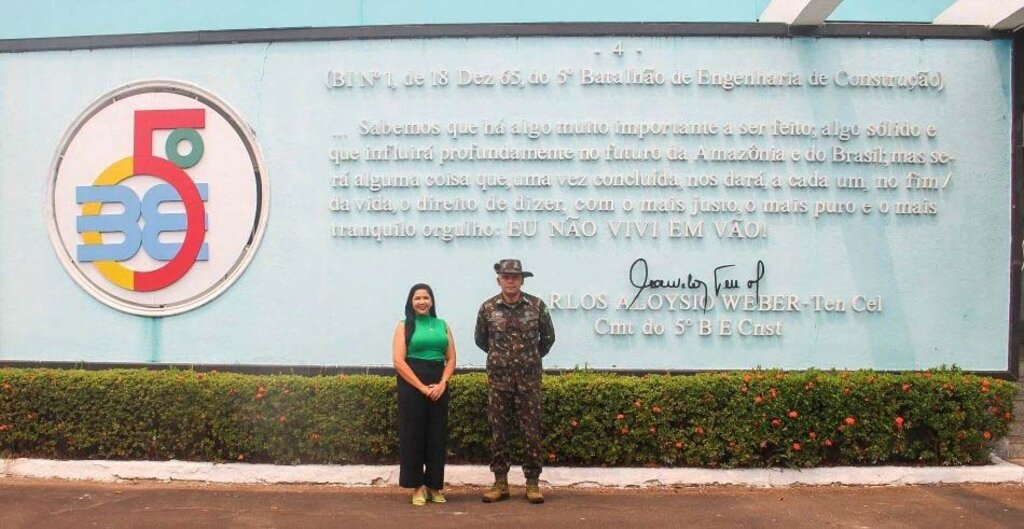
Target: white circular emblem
[(157, 198)]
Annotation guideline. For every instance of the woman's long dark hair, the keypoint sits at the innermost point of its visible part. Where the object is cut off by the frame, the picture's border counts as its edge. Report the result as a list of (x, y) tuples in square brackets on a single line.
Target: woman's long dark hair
[(410, 314)]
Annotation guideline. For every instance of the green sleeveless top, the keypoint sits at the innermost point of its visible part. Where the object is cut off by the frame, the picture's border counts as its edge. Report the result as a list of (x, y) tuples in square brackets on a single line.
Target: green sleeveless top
[(430, 339)]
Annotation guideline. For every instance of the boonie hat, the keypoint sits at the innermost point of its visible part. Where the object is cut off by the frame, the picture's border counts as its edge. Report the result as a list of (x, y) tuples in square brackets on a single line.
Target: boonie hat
[(511, 266)]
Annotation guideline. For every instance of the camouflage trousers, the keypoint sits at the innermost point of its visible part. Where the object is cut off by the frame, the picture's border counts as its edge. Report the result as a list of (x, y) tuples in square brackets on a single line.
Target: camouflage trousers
[(514, 397)]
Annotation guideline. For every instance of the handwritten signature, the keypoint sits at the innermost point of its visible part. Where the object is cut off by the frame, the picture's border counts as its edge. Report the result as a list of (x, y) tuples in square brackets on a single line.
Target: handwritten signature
[(639, 277)]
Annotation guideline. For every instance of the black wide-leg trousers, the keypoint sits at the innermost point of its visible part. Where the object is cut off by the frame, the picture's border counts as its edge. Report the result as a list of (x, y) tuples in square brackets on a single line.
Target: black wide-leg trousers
[(422, 429)]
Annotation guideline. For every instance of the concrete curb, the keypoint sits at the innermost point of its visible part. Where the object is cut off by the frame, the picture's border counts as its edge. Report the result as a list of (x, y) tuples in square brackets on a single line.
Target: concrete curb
[(478, 475)]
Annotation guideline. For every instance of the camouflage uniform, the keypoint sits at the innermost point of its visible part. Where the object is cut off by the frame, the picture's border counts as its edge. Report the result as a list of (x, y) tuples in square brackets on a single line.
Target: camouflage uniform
[(515, 337)]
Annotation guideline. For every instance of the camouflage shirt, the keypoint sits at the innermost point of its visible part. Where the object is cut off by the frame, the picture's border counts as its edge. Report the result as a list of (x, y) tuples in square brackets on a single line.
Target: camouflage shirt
[(514, 336)]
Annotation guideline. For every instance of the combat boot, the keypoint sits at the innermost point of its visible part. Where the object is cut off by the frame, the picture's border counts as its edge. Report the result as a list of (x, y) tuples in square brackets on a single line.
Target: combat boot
[(533, 494), (499, 491)]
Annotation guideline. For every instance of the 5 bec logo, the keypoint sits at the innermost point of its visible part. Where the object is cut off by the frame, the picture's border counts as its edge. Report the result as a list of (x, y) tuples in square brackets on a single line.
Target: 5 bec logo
[(158, 198)]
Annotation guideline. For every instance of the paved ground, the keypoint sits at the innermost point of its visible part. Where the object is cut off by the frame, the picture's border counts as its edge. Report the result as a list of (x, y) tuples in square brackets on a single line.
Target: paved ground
[(52, 503)]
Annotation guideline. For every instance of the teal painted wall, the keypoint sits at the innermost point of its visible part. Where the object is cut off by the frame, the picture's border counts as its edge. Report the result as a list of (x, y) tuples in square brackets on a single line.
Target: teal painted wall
[(308, 298), (919, 11), (59, 18)]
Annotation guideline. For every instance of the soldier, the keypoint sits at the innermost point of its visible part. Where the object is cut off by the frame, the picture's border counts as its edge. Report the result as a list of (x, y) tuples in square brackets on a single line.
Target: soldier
[(515, 330)]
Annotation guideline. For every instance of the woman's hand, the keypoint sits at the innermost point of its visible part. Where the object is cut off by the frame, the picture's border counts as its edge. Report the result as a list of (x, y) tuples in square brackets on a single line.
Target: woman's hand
[(436, 390)]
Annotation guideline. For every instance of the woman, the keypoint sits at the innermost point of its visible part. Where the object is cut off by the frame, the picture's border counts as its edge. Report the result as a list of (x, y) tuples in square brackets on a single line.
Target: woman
[(423, 351)]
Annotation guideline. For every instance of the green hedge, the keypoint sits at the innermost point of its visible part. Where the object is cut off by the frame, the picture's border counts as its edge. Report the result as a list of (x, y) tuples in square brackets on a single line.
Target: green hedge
[(736, 419)]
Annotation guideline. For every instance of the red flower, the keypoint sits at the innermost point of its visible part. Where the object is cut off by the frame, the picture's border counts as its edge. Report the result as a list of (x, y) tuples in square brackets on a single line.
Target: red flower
[(656, 409), (637, 404), (899, 423), (987, 435), (624, 430), (744, 389), (315, 437), (776, 422), (812, 435), (796, 447), (846, 391), (793, 414), (758, 400), (905, 387), (772, 392), (827, 442), (809, 386), (679, 445), (241, 457), (281, 419), (747, 377), (619, 417), (552, 456), (698, 430), (850, 421), (652, 429), (575, 423)]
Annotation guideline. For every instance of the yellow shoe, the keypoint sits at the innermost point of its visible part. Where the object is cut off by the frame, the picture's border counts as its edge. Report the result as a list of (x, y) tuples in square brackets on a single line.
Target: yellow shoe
[(435, 496), (419, 498)]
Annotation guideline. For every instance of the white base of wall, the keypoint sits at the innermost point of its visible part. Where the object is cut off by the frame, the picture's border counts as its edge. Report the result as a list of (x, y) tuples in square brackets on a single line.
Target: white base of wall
[(478, 475)]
